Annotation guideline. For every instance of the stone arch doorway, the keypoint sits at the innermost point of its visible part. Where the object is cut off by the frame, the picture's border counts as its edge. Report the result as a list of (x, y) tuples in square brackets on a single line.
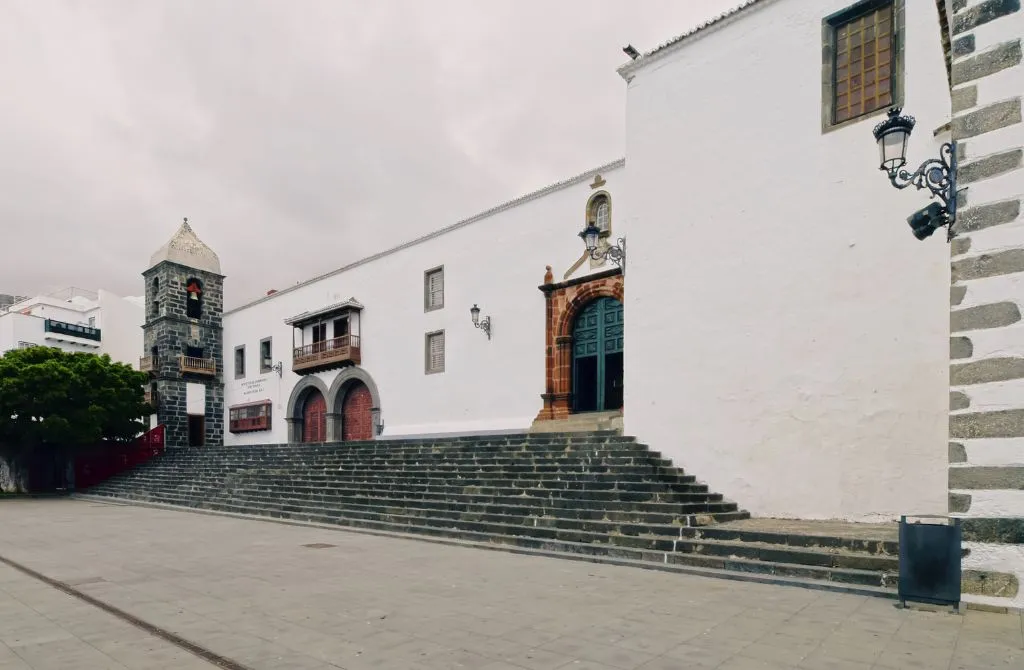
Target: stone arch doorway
[(564, 302), (597, 356), (314, 417), (354, 405), (307, 415)]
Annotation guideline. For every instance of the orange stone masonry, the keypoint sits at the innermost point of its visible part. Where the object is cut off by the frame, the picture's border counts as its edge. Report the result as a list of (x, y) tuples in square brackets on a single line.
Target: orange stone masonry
[(563, 301)]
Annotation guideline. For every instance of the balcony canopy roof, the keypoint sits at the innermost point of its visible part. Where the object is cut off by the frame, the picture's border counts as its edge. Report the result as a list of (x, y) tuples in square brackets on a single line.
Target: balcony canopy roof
[(299, 320)]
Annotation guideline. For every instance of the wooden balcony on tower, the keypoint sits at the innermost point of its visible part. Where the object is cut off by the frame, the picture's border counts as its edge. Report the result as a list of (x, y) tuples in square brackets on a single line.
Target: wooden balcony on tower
[(332, 334), (148, 364), (197, 366)]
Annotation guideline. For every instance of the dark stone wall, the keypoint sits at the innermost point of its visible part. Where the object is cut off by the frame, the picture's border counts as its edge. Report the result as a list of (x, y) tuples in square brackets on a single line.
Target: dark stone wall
[(172, 331)]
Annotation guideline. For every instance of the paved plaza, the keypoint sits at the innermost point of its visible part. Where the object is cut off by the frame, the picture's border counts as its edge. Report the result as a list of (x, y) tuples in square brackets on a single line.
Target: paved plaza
[(275, 596)]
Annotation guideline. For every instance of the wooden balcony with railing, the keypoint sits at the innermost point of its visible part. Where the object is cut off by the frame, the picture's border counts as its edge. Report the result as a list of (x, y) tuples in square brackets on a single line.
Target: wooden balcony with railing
[(197, 366), (150, 397), (148, 364), (342, 350)]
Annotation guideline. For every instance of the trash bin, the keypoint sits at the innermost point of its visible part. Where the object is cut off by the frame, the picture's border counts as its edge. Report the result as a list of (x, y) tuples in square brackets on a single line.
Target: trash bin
[(930, 547)]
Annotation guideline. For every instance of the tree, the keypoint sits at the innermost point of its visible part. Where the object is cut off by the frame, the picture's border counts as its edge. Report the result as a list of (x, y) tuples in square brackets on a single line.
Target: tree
[(61, 402)]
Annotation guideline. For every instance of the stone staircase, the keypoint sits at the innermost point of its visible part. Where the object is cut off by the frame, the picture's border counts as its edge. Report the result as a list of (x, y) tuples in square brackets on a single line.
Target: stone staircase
[(597, 495)]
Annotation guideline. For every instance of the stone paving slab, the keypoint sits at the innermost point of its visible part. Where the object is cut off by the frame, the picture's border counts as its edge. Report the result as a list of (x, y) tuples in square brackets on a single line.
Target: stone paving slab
[(828, 528), (257, 593)]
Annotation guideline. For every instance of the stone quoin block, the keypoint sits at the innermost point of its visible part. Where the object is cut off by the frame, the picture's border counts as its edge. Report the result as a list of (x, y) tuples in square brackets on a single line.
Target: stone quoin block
[(982, 317), (959, 503), (985, 583), (986, 477), (959, 245), (986, 216), (1001, 423), (1008, 530), (988, 265), (1006, 55), (964, 98), (957, 453), (985, 371), (987, 119), (958, 400), (990, 166), (981, 13), (956, 295), (962, 46)]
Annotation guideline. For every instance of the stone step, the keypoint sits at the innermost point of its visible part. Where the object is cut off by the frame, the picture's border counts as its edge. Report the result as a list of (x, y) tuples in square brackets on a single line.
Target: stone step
[(625, 472), (639, 454), (727, 560), (633, 492)]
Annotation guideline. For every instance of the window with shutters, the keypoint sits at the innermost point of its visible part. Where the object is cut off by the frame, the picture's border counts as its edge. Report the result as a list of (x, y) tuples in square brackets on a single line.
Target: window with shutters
[(266, 355), (435, 352), (862, 63), (433, 289)]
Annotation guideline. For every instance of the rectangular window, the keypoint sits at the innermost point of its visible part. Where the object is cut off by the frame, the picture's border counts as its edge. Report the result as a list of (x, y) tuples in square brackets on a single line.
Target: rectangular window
[(319, 332), (266, 355), (240, 361), (433, 289), (92, 321), (341, 327), (862, 64), (435, 352)]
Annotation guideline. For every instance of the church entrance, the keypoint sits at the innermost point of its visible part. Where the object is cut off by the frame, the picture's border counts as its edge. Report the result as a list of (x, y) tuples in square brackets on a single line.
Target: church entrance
[(597, 357), (357, 413), (314, 417)]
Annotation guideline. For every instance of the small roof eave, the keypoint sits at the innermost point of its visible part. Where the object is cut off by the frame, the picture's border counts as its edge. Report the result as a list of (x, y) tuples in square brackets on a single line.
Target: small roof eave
[(350, 305)]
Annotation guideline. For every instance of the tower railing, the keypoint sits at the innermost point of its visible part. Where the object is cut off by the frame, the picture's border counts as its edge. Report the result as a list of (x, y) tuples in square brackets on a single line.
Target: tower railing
[(199, 366)]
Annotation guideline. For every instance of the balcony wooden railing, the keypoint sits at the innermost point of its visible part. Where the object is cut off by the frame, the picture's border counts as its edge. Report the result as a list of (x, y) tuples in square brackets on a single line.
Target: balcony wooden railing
[(199, 366), (340, 350), (148, 364)]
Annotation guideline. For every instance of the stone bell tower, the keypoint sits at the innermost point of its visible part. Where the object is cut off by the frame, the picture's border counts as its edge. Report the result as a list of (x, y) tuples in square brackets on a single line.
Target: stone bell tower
[(183, 334)]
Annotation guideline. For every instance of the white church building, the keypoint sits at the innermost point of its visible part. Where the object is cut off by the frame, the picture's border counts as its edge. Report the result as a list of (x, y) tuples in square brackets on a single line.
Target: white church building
[(773, 325)]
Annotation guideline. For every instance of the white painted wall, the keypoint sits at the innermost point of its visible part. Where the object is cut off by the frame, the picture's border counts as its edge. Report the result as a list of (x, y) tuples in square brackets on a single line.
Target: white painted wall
[(16, 327), (121, 322), (497, 262), (195, 398), (786, 335)]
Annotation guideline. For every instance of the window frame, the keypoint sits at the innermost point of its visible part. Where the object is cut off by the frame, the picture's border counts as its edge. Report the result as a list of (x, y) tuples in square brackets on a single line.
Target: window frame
[(593, 204), (426, 352), (427, 307), (269, 341), (830, 25), (239, 370)]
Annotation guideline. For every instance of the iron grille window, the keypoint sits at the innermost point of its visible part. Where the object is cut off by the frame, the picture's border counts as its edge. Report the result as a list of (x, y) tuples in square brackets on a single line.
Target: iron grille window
[(863, 59)]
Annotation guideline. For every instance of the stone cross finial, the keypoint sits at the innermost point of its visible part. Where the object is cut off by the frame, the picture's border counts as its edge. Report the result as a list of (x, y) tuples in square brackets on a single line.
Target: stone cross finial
[(185, 224)]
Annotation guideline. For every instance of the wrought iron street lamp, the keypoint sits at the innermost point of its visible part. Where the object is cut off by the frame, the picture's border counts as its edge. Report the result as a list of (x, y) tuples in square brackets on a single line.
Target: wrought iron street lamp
[(483, 324), (938, 175), (616, 253)]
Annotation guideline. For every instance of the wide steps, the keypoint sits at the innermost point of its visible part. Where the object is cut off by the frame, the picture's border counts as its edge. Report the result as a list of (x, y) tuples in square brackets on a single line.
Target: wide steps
[(597, 495)]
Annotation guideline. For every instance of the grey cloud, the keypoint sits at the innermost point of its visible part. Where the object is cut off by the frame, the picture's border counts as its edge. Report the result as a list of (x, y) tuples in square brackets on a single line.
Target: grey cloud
[(296, 136)]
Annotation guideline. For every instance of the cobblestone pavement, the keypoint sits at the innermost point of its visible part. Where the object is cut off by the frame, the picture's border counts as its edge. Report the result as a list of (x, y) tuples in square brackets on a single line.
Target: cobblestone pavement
[(274, 596)]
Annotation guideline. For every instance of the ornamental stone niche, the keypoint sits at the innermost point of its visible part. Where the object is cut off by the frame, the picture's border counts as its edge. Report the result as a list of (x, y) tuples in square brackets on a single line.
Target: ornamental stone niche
[(583, 345), (184, 339)]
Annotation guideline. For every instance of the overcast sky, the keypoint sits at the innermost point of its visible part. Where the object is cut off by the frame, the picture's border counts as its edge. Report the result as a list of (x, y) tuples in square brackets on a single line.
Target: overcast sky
[(296, 135)]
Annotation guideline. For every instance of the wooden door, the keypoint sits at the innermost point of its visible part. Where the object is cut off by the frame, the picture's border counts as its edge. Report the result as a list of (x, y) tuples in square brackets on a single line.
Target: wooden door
[(357, 413), (314, 418), (597, 355)]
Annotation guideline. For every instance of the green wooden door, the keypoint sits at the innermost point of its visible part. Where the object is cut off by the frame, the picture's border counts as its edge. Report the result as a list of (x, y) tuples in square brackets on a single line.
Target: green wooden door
[(597, 352)]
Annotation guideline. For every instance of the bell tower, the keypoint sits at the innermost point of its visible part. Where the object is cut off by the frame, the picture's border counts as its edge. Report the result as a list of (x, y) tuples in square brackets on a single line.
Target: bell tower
[(183, 334)]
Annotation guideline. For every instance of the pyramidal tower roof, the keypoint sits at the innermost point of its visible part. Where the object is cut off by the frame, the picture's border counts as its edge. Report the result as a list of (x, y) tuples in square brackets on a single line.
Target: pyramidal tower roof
[(185, 248)]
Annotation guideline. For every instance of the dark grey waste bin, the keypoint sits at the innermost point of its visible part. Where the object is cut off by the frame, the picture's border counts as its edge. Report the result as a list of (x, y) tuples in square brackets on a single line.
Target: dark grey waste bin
[(930, 560)]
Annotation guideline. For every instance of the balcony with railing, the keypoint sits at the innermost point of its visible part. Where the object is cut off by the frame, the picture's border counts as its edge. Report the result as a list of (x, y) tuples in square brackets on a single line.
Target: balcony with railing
[(71, 330), (150, 397), (250, 417), (197, 366), (326, 353), (149, 364)]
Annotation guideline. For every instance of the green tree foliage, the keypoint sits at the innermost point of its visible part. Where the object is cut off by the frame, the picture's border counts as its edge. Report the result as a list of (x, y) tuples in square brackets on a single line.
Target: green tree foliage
[(67, 401)]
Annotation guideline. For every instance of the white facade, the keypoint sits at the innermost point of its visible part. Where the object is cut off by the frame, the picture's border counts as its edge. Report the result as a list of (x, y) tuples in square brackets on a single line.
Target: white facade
[(76, 320), (786, 335), (496, 260), (807, 375)]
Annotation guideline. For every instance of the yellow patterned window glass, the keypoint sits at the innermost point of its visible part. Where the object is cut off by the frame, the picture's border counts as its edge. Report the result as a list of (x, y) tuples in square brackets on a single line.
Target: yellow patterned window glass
[(863, 65)]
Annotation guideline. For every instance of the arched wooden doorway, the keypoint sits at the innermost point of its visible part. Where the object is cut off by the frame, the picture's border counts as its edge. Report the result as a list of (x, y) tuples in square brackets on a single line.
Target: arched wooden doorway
[(597, 356), (314, 417), (357, 413)]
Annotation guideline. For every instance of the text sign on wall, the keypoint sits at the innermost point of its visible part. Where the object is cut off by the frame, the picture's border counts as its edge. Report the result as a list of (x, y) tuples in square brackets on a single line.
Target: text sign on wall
[(254, 387)]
